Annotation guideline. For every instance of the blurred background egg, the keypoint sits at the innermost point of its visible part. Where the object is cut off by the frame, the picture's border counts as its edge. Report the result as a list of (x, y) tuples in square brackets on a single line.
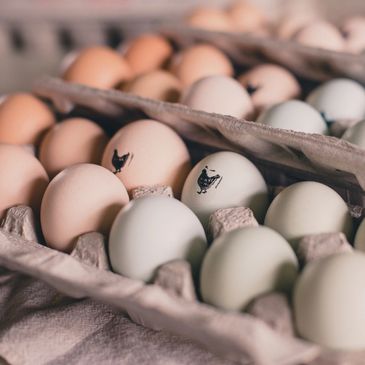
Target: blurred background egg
[(210, 19), (24, 119), (152, 231), (75, 140), (353, 30), (80, 199), (146, 53), (356, 134), (224, 180), (147, 152), (359, 241), (198, 61), (269, 84), (294, 115), (99, 67), (245, 263), (23, 179), (158, 85), (219, 94)]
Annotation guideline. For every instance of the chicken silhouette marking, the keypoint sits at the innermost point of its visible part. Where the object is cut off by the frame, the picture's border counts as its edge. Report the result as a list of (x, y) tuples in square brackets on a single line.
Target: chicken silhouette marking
[(205, 181), (120, 161)]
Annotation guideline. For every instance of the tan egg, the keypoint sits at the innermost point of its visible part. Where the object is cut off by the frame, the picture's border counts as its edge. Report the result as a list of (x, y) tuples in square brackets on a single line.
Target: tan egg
[(23, 179), (80, 199), (147, 152), (246, 17), (354, 32), (199, 61), (73, 141), (289, 25), (321, 34), (24, 119), (210, 19), (147, 52), (269, 84), (158, 85), (99, 67)]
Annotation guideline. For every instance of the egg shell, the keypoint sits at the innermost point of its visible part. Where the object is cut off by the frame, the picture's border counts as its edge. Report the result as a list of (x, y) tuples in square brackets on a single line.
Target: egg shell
[(24, 119), (339, 99), (158, 85), (224, 180), (218, 94), (200, 61), (353, 29), (73, 141), (99, 67), (270, 84), (308, 208), (82, 198), (356, 134), (290, 24), (246, 17), (359, 241), (152, 231), (23, 179), (294, 115), (321, 34), (148, 153), (147, 52), (245, 263), (329, 302), (210, 19)]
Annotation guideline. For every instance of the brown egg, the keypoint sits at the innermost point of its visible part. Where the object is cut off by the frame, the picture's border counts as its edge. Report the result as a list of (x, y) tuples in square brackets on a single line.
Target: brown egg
[(246, 17), (23, 179), (158, 85), (199, 61), (70, 142), (354, 32), (147, 52), (269, 84), (321, 34), (99, 67), (290, 24), (210, 19), (24, 119)]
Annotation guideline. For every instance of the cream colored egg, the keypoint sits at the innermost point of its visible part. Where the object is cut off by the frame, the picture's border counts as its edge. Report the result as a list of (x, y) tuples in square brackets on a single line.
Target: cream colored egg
[(356, 134), (353, 29), (329, 302), (359, 241), (80, 199), (245, 263), (210, 19), (307, 208)]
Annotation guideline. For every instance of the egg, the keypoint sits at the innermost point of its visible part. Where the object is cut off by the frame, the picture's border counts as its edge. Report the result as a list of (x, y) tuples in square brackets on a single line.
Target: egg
[(353, 29), (356, 134), (294, 115), (269, 84), (158, 85), (329, 302), (224, 180), (359, 241), (147, 52), (99, 67), (80, 199), (321, 34), (198, 61), (291, 23), (308, 208), (24, 119), (245, 263), (23, 179), (73, 141), (151, 231), (147, 152), (339, 99), (220, 95), (210, 19), (246, 17)]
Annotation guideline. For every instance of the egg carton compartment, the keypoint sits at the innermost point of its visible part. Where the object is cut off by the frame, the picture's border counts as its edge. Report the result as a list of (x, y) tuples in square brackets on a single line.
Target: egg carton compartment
[(283, 156)]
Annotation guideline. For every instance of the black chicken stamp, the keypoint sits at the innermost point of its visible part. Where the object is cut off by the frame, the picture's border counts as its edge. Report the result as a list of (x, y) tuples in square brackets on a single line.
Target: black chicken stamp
[(205, 181), (119, 162)]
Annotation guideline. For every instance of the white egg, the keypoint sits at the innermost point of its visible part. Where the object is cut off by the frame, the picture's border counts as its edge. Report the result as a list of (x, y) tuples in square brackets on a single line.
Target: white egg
[(359, 241), (307, 208), (294, 115), (356, 134), (151, 231), (245, 263), (224, 180), (339, 99), (329, 302)]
